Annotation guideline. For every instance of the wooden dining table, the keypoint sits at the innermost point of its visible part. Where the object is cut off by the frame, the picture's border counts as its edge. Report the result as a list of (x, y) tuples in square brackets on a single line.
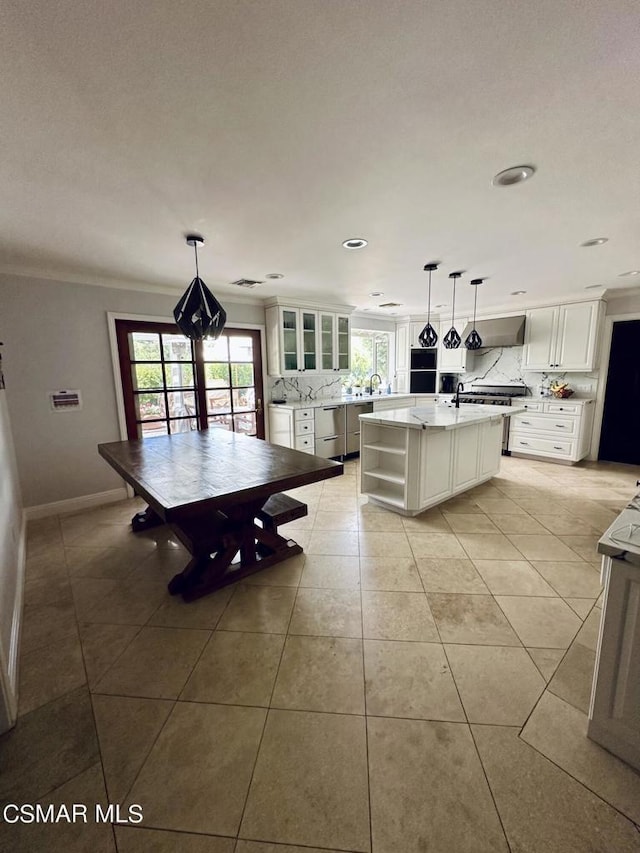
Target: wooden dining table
[(210, 486)]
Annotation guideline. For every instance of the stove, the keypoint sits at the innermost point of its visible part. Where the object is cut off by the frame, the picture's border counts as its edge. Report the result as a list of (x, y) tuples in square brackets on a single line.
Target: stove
[(495, 395)]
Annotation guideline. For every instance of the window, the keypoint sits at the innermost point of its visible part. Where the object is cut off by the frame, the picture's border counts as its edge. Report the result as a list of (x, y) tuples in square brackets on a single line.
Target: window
[(369, 355), (172, 384)]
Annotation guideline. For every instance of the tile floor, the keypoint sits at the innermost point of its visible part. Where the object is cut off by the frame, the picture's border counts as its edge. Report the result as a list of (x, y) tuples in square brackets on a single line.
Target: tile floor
[(405, 685)]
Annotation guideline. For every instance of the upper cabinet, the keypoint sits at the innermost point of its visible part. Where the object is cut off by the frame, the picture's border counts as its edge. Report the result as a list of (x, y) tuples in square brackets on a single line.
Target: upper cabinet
[(402, 347), (453, 360), (306, 340), (562, 337)]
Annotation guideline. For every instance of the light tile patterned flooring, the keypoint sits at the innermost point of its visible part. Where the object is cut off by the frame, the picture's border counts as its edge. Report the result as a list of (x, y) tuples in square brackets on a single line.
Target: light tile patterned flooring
[(406, 685)]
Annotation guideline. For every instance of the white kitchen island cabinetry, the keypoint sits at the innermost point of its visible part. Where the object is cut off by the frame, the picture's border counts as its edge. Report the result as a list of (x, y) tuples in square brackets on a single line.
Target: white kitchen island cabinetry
[(415, 458), (562, 337)]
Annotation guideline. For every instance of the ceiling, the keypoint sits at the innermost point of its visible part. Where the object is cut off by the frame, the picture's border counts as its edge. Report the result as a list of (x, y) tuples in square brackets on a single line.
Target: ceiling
[(280, 128)]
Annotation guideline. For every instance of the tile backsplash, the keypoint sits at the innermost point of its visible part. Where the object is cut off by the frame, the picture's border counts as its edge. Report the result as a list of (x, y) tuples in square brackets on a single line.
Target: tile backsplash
[(503, 366)]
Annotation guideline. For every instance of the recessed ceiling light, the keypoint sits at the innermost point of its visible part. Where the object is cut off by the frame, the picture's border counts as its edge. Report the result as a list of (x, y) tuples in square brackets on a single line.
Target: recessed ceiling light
[(273, 275), (517, 292), (376, 293), (513, 175), (594, 287), (597, 241), (631, 272), (355, 243)]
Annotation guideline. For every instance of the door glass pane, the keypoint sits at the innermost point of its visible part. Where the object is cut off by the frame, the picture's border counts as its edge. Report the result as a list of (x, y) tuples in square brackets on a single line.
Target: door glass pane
[(240, 348), (218, 401), (150, 406), (289, 338), (244, 399), (182, 425), (343, 325), (147, 376), (217, 375), (176, 348), (149, 430), (245, 423), (181, 403), (144, 346), (179, 374), (290, 361), (242, 374), (224, 421), (217, 350), (308, 322)]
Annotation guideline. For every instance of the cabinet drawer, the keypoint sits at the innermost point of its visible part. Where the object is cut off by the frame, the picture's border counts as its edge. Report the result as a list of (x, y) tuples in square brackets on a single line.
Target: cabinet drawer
[(545, 423), (303, 414), (532, 405), (305, 442), (562, 408), (304, 428), (533, 444)]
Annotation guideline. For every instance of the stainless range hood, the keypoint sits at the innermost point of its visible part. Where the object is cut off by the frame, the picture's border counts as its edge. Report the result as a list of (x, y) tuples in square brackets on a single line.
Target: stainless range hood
[(502, 332)]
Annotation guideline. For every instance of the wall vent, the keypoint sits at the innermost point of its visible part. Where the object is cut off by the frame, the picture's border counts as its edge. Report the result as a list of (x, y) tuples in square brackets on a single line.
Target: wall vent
[(248, 283), (390, 305)]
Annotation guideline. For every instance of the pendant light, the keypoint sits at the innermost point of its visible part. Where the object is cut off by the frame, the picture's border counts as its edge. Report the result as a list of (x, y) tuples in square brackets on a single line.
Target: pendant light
[(474, 341), (427, 336), (452, 339), (198, 314)]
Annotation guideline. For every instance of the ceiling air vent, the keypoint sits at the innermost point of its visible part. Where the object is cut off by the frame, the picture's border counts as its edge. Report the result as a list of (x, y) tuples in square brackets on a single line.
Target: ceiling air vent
[(390, 305), (248, 283)]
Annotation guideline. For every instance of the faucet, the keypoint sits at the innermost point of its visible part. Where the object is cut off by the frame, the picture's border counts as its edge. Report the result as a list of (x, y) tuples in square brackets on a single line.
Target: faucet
[(371, 381), (457, 397)]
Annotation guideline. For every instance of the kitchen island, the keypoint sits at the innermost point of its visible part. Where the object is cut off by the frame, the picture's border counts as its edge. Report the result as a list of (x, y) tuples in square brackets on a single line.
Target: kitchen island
[(614, 712), (415, 458)]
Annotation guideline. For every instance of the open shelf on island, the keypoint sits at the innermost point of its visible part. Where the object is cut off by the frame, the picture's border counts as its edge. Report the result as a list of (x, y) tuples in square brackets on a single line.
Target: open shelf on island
[(384, 474), (387, 497), (385, 448)]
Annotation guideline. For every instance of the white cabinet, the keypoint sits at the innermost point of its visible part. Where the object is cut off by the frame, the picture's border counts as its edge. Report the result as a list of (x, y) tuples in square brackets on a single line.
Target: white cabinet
[(614, 721), (414, 333), (306, 339), (490, 448), (292, 340), (335, 342), (393, 402), (402, 347), (453, 360), (562, 337), (466, 455), (292, 428), (555, 429)]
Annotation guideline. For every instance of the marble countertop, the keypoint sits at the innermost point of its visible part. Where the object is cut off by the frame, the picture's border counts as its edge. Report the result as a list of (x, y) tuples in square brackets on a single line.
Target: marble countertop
[(440, 415), (622, 538), (348, 400)]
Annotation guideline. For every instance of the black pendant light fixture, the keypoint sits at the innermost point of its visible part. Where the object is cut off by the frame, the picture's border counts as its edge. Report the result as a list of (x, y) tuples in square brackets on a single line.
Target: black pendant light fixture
[(452, 339), (427, 336), (474, 341), (198, 314)]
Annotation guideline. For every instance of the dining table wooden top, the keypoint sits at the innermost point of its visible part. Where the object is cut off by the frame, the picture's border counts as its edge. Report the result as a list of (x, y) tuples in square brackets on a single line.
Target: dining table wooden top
[(190, 472)]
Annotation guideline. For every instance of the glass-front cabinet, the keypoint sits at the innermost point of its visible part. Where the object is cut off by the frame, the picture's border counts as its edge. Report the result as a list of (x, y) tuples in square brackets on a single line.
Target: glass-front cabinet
[(307, 340)]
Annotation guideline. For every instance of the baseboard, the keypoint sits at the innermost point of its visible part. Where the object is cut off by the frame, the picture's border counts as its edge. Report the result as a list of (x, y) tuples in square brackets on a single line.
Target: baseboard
[(75, 504)]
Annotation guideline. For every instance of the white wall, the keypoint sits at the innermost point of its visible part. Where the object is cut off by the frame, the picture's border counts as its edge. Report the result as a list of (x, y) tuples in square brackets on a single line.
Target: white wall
[(55, 337), (11, 569)]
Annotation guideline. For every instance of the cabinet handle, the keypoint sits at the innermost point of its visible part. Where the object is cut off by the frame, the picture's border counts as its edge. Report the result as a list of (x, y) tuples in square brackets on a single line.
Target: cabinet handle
[(528, 423), (558, 448), (331, 438), (525, 442), (561, 409), (330, 408), (560, 426)]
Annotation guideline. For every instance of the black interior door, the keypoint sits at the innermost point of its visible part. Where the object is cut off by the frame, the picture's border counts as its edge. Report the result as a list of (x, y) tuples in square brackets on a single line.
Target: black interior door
[(620, 434)]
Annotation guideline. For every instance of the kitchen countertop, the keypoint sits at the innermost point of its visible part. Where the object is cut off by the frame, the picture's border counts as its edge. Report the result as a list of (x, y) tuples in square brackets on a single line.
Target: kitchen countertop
[(349, 400), (440, 415), (614, 541)]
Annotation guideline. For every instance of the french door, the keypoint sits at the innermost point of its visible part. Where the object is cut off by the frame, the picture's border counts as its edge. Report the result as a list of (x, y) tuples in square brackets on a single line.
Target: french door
[(171, 384)]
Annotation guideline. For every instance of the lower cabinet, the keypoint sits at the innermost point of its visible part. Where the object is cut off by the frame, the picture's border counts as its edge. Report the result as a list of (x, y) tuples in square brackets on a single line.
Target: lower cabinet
[(292, 428), (558, 429)]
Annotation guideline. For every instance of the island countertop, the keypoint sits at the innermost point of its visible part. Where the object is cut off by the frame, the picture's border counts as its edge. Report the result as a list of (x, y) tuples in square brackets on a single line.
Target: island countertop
[(622, 539), (440, 415)]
